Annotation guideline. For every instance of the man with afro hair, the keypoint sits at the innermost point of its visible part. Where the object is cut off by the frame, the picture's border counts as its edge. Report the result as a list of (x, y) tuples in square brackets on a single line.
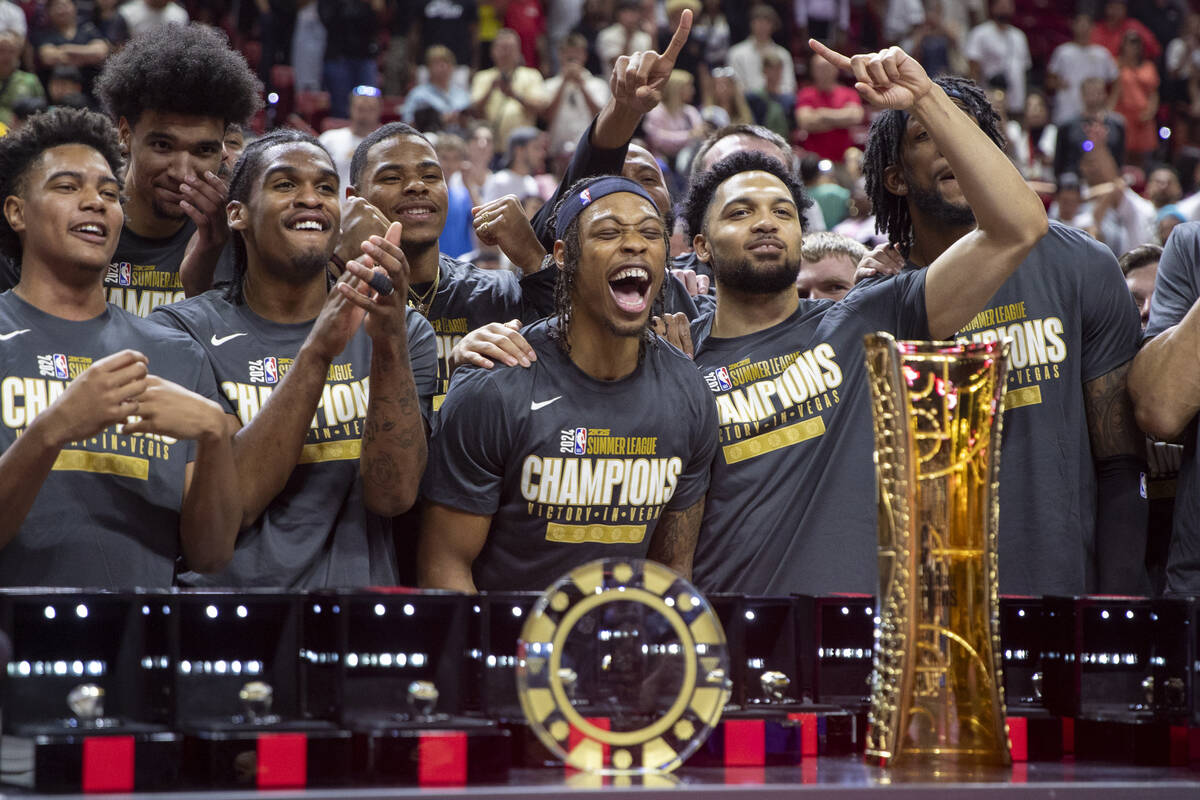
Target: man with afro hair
[(171, 92), (90, 497), (1072, 498)]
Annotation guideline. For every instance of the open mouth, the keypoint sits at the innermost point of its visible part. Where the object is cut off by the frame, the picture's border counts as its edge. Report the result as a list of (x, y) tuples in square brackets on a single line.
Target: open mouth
[(308, 222), (630, 288), (416, 213), (94, 232)]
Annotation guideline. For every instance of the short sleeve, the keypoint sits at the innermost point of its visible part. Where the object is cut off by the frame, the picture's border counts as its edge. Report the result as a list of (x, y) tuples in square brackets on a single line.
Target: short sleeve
[(422, 358), (1175, 287), (1111, 325), (895, 303), (203, 383), (469, 445), (693, 482)]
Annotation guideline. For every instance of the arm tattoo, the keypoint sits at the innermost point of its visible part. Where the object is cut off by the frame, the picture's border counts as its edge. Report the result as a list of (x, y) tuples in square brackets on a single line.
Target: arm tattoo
[(674, 540), (393, 447), (1111, 424)]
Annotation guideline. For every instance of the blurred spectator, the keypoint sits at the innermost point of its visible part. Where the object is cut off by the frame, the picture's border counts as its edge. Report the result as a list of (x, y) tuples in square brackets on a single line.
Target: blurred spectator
[(691, 58), (711, 27), (826, 111), (12, 19), (573, 96), (232, 145), (527, 18), (768, 106), (451, 23), (1031, 141), (1181, 85), (675, 122), (1079, 135), (624, 37), (826, 20), (1140, 267), (438, 92), (526, 159), (142, 15), (351, 48), (308, 47), (480, 153), (25, 108), (15, 83), (458, 235), (1165, 221), (507, 95), (1111, 28), (597, 15), (1135, 97), (999, 48), (827, 264), (830, 197), (64, 41), (860, 225), (727, 97), (746, 56), (561, 18), (901, 17), (1072, 63), (936, 45), (1164, 18), (958, 17), (106, 16), (64, 87), (366, 106)]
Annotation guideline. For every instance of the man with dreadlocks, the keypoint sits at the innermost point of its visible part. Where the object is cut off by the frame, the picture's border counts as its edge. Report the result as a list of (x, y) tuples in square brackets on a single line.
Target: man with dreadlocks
[(322, 461), (89, 497), (785, 509), (533, 471), (1072, 499)]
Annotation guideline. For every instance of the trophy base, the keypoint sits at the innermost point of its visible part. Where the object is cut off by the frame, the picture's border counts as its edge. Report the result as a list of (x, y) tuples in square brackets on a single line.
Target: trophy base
[(285, 754), (459, 752), (782, 735), (124, 758), (1145, 742), (1035, 734)]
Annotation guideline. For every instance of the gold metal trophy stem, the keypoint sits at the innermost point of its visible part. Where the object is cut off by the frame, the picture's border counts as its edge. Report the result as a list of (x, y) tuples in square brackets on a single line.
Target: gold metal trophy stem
[(937, 696)]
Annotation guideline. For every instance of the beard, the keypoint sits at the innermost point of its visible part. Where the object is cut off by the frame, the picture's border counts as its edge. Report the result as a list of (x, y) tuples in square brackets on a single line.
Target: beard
[(931, 203), (166, 211), (743, 276)]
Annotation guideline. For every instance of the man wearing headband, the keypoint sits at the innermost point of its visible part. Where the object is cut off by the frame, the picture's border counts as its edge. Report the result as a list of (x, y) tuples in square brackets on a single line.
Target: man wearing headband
[(1072, 502), (332, 388), (535, 471)]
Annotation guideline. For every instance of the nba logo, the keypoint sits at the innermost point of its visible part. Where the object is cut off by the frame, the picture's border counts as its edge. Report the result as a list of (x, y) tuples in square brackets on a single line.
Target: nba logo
[(270, 370), (123, 273), (580, 441), (723, 379), (585, 196), (60, 366)]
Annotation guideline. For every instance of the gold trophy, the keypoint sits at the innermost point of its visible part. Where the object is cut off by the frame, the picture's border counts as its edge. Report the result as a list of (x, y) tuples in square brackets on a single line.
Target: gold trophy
[(937, 696)]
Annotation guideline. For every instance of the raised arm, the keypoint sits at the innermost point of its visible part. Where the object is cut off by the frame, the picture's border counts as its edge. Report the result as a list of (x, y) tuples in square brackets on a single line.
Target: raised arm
[(1009, 215)]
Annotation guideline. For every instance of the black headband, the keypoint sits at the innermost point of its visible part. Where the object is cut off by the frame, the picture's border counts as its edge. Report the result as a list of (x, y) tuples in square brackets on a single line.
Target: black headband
[(573, 204)]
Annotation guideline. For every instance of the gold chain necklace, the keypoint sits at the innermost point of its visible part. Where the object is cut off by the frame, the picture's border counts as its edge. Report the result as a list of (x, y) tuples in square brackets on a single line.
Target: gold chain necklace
[(423, 302)]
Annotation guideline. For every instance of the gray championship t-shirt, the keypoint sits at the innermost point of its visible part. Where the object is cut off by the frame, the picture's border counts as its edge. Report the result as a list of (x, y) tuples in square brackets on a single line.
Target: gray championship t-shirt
[(467, 298), (1175, 291), (145, 272), (1071, 320), (107, 516), (317, 532), (792, 503), (569, 468)]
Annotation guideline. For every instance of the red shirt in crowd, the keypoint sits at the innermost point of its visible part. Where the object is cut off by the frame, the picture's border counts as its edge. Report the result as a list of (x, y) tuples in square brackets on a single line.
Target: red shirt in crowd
[(1110, 36), (527, 19), (831, 144)]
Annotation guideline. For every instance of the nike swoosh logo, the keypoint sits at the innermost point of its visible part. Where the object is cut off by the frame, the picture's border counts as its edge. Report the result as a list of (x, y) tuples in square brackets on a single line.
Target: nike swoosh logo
[(534, 406), (4, 337), (217, 342)]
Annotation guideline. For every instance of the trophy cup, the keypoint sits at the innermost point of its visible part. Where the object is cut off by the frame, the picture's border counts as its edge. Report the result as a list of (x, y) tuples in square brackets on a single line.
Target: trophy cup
[(937, 697)]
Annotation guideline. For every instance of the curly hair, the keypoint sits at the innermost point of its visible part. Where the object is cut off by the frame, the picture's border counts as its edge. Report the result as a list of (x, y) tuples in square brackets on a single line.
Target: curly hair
[(390, 131), (884, 142), (20, 151), (564, 287), (179, 69), (241, 183), (704, 187)]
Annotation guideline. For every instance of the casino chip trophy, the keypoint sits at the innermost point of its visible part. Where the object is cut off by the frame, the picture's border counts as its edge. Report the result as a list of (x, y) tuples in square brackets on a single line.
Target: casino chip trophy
[(622, 668), (937, 696)]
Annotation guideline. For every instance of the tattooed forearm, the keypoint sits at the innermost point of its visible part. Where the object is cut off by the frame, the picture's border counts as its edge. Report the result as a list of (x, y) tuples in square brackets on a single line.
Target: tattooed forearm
[(1111, 424), (674, 541), (393, 444)]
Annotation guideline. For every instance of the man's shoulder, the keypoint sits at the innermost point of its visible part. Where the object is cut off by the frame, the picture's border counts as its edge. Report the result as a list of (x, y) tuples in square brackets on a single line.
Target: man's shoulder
[(173, 344), (207, 306), (467, 272)]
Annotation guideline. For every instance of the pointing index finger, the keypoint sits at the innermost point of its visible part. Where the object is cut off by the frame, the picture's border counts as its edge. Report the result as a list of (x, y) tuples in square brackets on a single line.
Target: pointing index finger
[(680, 37), (832, 56)]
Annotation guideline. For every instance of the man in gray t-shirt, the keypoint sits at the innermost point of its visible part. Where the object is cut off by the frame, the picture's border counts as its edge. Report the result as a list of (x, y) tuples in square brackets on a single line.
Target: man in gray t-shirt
[(330, 398), (92, 495)]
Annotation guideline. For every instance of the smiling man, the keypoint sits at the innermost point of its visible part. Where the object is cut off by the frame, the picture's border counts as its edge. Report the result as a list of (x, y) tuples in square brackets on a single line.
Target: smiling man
[(172, 93), (332, 388), (90, 499), (535, 471)]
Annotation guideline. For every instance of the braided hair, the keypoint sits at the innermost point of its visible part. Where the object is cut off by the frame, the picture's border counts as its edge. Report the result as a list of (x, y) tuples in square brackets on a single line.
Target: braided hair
[(241, 183), (885, 141), (568, 274)]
